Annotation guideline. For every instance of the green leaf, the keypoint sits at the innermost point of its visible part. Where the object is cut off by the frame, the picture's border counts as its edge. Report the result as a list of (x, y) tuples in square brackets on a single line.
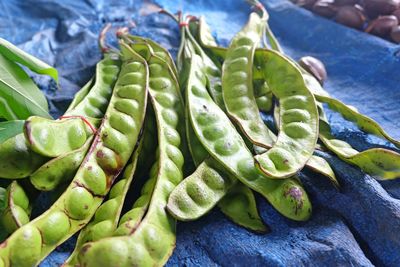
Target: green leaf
[(15, 54), (9, 129), (19, 95)]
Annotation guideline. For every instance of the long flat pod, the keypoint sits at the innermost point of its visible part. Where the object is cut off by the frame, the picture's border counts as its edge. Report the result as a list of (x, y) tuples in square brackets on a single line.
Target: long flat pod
[(202, 33), (298, 126), (94, 104), (365, 123), (19, 159), (237, 83), (106, 218), (240, 206), (52, 138), (315, 163), (152, 242), (378, 162), (207, 174), (131, 219), (224, 144), (113, 145), (59, 170), (158, 50), (80, 95), (198, 193), (212, 70)]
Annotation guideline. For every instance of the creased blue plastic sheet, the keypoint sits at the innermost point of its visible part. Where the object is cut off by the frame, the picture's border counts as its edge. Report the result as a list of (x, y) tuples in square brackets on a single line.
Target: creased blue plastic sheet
[(356, 226)]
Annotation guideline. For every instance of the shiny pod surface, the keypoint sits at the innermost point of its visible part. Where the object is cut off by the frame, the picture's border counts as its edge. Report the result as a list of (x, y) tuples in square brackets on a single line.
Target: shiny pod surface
[(240, 206), (59, 170), (224, 144), (94, 104), (378, 162), (17, 160), (298, 125), (106, 218), (17, 208), (237, 83), (111, 149), (152, 242), (53, 138)]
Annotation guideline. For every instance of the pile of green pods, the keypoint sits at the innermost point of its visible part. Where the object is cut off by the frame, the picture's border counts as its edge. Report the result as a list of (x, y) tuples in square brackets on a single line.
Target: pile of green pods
[(191, 134)]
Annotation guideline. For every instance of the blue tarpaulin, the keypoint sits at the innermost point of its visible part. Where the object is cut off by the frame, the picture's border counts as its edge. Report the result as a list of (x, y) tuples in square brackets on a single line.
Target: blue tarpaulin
[(358, 225)]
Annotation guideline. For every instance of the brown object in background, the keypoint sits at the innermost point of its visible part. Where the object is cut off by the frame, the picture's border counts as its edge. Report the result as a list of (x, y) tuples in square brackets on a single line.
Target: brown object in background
[(383, 25), (315, 67), (351, 16), (325, 8), (397, 14), (306, 3), (376, 8), (346, 2), (395, 34)]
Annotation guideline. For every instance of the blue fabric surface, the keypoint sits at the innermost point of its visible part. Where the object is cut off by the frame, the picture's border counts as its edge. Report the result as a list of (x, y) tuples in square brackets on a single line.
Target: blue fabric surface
[(356, 226)]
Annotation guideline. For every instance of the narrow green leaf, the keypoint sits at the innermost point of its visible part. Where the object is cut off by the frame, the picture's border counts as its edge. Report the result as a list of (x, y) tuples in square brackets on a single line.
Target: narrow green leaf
[(9, 129), (19, 95), (15, 54)]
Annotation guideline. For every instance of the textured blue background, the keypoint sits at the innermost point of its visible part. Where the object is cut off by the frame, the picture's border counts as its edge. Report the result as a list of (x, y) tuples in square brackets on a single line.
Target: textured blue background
[(356, 226)]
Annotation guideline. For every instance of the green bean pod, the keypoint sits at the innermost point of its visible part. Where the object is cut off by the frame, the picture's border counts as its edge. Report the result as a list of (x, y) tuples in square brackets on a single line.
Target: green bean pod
[(59, 170), (239, 204), (152, 242), (94, 104), (51, 138), (378, 162), (198, 193), (298, 125), (365, 123), (147, 156), (113, 145), (17, 160), (202, 33), (106, 218), (321, 166), (158, 50), (237, 83), (204, 175), (211, 69), (80, 95), (315, 163), (131, 219), (234, 199), (17, 208), (219, 137)]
